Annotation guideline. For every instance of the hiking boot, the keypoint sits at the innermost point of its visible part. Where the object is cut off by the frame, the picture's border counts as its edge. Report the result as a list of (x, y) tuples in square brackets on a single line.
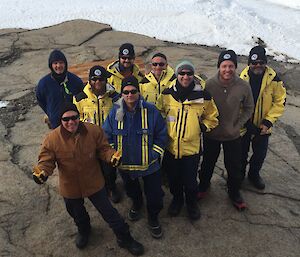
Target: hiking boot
[(174, 208), (155, 228), (193, 211), (237, 200), (115, 195), (257, 182), (133, 246), (82, 240), (134, 214)]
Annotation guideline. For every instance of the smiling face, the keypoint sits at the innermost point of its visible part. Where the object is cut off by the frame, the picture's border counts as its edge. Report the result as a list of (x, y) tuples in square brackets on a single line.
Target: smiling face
[(130, 95), (58, 67), (98, 85), (126, 61), (185, 77), (70, 121), (158, 64), (257, 67), (226, 71)]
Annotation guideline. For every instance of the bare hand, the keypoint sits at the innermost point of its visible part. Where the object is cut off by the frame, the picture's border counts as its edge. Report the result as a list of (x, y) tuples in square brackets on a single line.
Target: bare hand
[(263, 130)]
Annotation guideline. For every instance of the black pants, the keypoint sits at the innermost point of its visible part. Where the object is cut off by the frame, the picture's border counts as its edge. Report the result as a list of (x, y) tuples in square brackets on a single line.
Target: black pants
[(77, 211), (232, 161), (259, 147), (110, 175), (152, 188), (182, 176)]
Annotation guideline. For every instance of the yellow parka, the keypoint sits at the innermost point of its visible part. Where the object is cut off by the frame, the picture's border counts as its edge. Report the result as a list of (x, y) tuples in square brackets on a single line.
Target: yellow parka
[(186, 120), (151, 89), (271, 99)]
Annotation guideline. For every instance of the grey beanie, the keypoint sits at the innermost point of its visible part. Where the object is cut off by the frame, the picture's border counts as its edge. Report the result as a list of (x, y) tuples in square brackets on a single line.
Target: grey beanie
[(184, 65)]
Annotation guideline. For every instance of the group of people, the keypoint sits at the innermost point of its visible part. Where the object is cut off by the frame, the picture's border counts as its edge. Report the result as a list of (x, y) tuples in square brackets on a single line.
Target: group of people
[(143, 126)]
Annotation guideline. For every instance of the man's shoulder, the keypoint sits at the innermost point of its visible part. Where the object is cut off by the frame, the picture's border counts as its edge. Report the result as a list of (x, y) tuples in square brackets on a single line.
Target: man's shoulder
[(45, 79), (74, 78)]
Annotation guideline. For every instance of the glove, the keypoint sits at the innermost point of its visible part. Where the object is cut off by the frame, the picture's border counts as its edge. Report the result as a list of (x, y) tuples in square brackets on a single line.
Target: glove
[(39, 176), (116, 158)]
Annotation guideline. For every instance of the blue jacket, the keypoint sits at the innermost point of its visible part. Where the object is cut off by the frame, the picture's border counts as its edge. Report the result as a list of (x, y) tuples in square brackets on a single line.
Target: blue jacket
[(141, 135), (50, 95)]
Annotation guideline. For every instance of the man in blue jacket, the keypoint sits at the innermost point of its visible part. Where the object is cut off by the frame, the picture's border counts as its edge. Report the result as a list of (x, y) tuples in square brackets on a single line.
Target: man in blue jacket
[(57, 87), (137, 128)]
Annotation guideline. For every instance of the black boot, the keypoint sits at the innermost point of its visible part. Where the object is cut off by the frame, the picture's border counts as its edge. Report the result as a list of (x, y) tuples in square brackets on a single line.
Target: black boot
[(257, 181), (193, 211), (175, 208), (155, 227), (134, 213), (82, 240), (115, 195), (237, 200), (126, 241)]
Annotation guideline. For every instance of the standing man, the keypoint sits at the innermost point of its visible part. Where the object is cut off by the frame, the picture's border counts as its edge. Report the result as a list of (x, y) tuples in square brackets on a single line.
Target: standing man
[(94, 105), (57, 87), (159, 78), (189, 110), (234, 100), (75, 148), (136, 128), (269, 98), (124, 67)]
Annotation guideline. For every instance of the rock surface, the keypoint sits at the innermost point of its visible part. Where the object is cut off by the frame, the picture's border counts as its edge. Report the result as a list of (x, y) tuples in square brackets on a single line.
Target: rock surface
[(33, 220)]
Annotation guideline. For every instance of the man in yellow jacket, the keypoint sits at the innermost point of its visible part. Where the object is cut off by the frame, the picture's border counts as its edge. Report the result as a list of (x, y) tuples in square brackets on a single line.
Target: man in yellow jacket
[(159, 78), (94, 106), (269, 96), (124, 67), (188, 110)]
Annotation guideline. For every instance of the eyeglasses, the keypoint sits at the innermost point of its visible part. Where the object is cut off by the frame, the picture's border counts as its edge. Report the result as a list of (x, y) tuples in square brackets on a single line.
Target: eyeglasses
[(258, 62), (66, 119), (127, 57), (161, 64), (97, 78), (189, 73), (133, 92)]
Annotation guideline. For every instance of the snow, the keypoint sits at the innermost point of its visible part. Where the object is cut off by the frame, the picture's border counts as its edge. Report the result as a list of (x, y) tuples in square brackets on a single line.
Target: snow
[(233, 24)]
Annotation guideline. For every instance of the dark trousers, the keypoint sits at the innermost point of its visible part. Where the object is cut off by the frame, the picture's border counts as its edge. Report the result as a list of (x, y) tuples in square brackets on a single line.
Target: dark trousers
[(152, 188), (110, 175), (182, 176), (232, 161), (259, 148), (77, 211)]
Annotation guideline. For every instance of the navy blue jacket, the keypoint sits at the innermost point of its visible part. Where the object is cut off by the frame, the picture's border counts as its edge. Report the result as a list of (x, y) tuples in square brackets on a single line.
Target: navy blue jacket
[(141, 135), (50, 95)]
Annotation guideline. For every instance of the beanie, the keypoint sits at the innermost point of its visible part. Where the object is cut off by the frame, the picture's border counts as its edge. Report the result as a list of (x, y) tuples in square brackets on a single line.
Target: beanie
[(184, 65), (67, 106), (126, 49), (57, 55), (228, 55), (130, 81), (99, 72), (257, 53)]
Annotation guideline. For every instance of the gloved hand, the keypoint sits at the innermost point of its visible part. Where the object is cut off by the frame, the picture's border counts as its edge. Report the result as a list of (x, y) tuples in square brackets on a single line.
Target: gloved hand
[(39, 176), (116, 159)]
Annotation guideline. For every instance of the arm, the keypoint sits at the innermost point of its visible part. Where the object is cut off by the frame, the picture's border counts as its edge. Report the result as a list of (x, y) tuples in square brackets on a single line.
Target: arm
[(247, 107), (40, 97), (160, 136), (210, 115), (104, 149)]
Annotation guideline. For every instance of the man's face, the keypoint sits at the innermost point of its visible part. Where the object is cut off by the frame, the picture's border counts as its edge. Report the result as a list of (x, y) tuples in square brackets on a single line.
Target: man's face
[(185, 77), (126, 61), (227, 70), (98, 85), (158, 64), (70, 121), (257, 67), (58, 67), (130, 94)]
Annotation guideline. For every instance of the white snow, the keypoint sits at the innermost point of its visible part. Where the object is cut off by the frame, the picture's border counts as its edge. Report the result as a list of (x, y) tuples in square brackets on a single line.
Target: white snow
[(233, 24)]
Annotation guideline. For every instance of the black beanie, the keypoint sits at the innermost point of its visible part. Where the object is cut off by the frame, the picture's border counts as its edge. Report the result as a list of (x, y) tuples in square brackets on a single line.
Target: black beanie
[(257, 53), (57, 55), (126, 49), (130, 81), (99, 72), (228, 55), (67, 106)]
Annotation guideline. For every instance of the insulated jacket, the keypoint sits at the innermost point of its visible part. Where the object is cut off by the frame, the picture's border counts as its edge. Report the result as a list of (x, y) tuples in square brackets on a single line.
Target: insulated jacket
[(141, 135), (235, 105), (116, 79), (151, 89), (95, 109), (186, 120), (51, 95), (271, 100), (76, 156)]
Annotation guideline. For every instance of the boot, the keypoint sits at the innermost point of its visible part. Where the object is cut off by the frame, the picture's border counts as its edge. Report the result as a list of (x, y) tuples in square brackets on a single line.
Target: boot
[(134, 214), (175, 208), (155, 227), (82, 240), (237, 200), (256, 181), (115, 195), (126, 241), (193, 211)]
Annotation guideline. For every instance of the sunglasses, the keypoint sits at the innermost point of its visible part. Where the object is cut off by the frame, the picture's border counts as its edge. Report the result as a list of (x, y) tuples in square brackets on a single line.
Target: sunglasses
[(133, 92), (126, 57), (189, 73), (97, 78), (74, 117), (161, 64), (258, 62)]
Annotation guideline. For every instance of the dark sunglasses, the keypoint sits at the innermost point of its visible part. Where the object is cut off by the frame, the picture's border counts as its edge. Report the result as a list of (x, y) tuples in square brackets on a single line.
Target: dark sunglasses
[(97, 78), (133, 92), (258, 62), (126, 57), (74, 117), (189, 73), (158, 63)]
